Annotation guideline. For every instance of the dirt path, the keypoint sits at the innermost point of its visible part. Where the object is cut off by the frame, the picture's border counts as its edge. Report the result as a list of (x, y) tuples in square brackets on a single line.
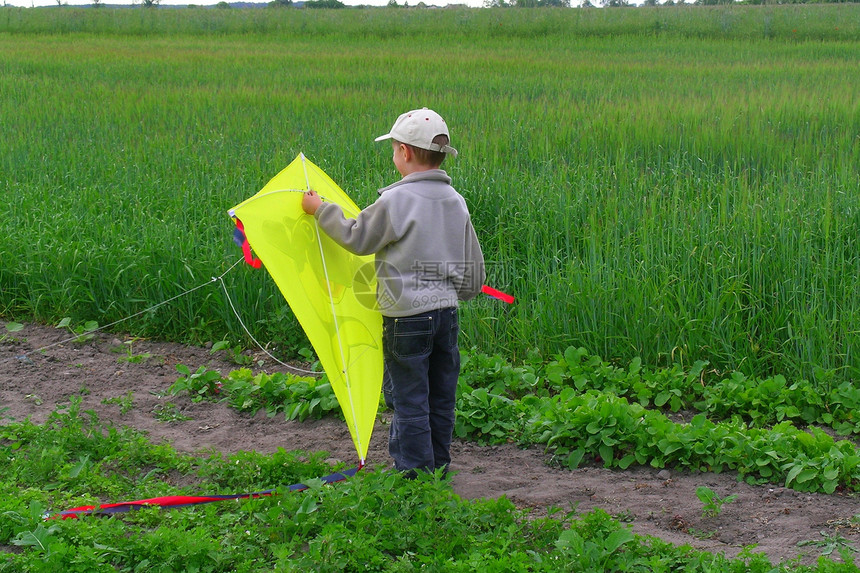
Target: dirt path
[(39, 371)]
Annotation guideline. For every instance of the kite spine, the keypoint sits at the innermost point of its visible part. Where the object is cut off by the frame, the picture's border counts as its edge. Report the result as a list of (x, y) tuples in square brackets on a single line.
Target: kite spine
[(336, 327)]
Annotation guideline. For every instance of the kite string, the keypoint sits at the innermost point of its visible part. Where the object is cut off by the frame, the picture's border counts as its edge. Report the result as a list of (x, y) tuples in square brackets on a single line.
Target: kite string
[(144, 311), (344, 370), (260, 346), (220, 278)]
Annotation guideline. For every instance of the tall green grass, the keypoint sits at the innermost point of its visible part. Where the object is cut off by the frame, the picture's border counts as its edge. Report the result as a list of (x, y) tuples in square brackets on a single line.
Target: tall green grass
[(797, 22), (677, 184)]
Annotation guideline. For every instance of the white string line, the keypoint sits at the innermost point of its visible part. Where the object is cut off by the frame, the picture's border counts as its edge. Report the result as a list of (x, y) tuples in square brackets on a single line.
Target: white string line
[(20, 357), (343, 363), (150, 309), (260, 346)]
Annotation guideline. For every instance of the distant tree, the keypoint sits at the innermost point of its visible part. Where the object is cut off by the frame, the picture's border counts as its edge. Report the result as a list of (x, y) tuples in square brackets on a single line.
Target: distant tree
[(324, 4), (97, 4), (151, 3), (280, 3), (222, 5), (542, 3), (527, 3), (616, 3)]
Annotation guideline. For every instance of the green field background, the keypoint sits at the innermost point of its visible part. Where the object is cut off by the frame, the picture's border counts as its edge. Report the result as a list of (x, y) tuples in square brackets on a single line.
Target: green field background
[(674, 183)]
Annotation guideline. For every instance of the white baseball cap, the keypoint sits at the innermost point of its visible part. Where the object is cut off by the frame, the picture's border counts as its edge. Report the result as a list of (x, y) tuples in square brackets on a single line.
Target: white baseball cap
[(418, 128)]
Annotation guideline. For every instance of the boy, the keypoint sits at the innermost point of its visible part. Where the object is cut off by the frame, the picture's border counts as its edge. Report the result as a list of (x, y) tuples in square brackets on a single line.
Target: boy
[(427, 258)]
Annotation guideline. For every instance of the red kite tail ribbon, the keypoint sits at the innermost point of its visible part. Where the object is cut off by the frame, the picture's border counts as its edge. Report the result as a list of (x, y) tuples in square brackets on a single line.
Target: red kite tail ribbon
[(240, 239), (186, 500)]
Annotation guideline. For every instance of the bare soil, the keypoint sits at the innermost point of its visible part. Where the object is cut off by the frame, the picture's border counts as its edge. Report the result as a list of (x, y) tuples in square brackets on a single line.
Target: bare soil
[(41, 368)]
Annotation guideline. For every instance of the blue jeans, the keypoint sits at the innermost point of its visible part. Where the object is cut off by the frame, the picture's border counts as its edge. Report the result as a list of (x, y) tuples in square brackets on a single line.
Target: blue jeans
[(422, 364)]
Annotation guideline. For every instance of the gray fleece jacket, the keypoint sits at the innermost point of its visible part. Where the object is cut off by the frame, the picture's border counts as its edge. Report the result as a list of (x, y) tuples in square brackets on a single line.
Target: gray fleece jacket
[(427, 254)]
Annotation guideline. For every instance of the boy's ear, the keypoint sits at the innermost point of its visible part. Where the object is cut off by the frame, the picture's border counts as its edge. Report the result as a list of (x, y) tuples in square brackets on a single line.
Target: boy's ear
[(407, 152)]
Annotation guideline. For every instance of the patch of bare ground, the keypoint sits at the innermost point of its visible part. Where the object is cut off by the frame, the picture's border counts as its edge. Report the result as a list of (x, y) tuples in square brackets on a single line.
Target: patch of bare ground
[(40, 369)]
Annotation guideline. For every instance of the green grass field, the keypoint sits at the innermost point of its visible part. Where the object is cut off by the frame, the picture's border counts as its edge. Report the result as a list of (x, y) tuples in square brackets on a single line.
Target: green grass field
[(677, 183)]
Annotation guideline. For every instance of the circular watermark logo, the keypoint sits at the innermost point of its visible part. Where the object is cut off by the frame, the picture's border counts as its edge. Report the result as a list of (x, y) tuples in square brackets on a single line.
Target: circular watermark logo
[(388, 285)]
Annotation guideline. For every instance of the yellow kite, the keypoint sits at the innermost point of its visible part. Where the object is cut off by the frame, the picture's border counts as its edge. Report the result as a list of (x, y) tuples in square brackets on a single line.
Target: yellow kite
[(331, 291)]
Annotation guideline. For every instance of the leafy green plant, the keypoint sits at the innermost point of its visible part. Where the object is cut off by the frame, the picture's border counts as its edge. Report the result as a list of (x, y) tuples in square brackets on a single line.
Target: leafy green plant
[(603, 427), (204, 383), (235, 352), (310, 357), (297, 397), (126, 403), (376, 521), (169, 412), (486, 417), (10, 328), (82, 333), (41, 539), (830, 543), (596, 553), (712, 504), (130, 356)]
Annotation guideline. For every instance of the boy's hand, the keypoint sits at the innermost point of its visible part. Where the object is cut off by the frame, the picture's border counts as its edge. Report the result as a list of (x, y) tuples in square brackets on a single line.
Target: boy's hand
[(311, 202)]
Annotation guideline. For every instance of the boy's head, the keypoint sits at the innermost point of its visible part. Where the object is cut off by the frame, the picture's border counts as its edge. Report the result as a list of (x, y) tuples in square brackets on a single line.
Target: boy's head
[(426, 133)]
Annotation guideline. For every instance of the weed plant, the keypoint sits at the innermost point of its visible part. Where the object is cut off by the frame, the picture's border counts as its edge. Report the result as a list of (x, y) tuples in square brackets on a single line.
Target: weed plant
[(584, 410), (577, 407), (376, 521), (673, 184)]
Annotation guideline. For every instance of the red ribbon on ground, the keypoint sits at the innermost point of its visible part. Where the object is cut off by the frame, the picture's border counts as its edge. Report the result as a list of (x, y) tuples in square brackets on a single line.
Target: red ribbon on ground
[(186, 500)]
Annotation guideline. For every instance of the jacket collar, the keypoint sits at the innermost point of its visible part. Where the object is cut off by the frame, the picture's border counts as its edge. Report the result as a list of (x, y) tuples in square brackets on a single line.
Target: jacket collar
[(438, 175)]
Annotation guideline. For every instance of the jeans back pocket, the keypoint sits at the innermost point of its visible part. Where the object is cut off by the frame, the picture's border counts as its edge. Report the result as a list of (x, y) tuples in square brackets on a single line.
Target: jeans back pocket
[(412, 336)]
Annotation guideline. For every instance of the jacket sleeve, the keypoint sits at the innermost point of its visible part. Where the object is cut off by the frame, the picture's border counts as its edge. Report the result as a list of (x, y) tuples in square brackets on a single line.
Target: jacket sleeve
[(367, 234), (474, 273)]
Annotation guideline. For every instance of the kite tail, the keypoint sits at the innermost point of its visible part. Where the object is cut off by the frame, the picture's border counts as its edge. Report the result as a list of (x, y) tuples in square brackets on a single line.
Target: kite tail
[(240, 239), (188, 500)]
